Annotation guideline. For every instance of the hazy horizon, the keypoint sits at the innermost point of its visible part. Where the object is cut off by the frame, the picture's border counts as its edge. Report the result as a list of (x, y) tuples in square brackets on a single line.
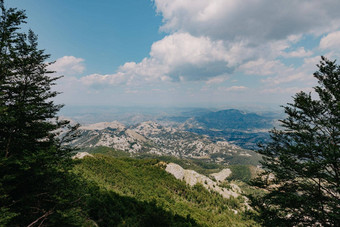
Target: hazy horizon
[(135, 114)]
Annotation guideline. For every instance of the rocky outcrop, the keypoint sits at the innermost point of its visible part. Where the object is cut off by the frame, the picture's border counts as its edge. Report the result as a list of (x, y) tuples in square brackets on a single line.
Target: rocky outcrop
[(191, 177), (222, 175), (81, 155), (136, 135), (104, 125)]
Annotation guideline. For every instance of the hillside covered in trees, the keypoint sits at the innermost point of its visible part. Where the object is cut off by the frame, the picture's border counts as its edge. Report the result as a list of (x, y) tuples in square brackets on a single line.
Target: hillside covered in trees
[(163, 200)]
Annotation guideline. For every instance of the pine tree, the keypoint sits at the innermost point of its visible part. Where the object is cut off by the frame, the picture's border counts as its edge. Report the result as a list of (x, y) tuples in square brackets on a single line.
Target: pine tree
[(302, 163), (36, 186)]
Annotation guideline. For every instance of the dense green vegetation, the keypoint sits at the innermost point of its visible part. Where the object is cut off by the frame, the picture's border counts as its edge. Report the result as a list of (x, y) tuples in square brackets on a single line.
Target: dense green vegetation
[(146, 181), (303, 158), (200, 166), (108, 208), (106, 150), (240, 172), (243, 172), (36, 185)]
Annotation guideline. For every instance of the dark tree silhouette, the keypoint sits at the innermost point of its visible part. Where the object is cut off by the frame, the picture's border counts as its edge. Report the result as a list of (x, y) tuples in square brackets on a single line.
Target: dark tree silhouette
[(36, 187), (303, 158)]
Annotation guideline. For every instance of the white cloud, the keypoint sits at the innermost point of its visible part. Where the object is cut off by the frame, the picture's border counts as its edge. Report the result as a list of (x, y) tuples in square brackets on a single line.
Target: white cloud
[(68, 65), (304, 73), (259, 20), (185, 57), (210, 40), (263, 67), (233, 88), (331, 41), (286, 78), (179, 47), (104, 80), (254, 34), (177, 57), (217, 80), (299, 53)]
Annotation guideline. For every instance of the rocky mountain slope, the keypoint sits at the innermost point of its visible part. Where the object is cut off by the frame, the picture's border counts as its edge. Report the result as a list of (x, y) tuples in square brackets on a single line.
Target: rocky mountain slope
[(153, 138), (244, 129), (192, 178)]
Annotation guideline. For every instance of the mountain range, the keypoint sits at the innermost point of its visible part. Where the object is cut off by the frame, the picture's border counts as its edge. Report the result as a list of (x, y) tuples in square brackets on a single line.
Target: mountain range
[(240, 128), (231, 119), (154, 139)]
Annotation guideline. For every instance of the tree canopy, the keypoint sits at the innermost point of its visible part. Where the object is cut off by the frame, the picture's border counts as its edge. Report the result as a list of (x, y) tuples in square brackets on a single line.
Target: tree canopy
[(302, 162), (36, 187)]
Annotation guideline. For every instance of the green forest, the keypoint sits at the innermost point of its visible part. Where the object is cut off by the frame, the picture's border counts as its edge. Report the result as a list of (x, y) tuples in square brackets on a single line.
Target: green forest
[(146, 181)]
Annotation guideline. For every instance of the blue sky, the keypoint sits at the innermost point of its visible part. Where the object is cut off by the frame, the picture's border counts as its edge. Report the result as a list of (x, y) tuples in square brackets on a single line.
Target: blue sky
[(213, 53)]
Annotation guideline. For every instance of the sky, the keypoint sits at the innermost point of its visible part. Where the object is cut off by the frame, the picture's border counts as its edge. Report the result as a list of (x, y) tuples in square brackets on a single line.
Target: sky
[(195, 53)]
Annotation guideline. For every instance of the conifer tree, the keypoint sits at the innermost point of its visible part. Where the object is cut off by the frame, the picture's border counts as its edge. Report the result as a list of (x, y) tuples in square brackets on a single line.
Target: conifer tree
[(36, 188), (302, 163)]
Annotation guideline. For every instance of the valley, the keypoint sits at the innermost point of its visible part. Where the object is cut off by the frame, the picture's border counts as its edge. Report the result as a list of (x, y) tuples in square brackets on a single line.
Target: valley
[(191, 167), (182, 171)]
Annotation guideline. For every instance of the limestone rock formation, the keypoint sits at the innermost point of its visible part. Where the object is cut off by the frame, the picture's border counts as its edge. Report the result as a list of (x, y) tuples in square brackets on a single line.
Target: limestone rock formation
[(81, 155), (191, 177)]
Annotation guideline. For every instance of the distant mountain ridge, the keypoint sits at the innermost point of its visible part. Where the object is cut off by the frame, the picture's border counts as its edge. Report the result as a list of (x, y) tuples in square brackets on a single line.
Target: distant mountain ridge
[(238, 127), (233, 119)]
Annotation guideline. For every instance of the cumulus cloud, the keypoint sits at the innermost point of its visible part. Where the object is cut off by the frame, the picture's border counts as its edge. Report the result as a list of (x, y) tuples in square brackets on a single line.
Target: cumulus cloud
[(103, 80), (252, 34), (263, 67), (185, 57), (331, 41), (217, 80), (259, 20), (68, 65), (299, 53), (304, 73), (177, 57), (210, 40), (286, 78)]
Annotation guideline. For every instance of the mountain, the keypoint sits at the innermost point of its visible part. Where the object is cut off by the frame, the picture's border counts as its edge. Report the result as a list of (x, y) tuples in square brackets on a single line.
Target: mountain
[(131, 115), (232, 119), (244, 129), (153, 138), (240, 128), (194, 133), (244, 139), (152, 174)]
